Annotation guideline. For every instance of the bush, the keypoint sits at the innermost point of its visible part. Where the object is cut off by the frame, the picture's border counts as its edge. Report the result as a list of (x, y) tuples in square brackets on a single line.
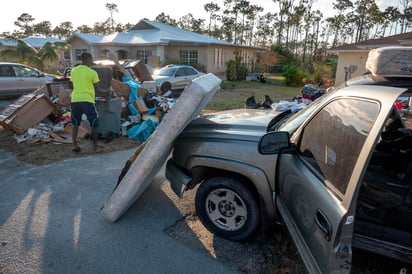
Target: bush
[(235, 71), (293, 75)]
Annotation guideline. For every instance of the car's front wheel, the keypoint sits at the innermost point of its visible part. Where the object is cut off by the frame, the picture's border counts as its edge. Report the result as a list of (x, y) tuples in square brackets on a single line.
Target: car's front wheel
[(227, 208), (166, 86)]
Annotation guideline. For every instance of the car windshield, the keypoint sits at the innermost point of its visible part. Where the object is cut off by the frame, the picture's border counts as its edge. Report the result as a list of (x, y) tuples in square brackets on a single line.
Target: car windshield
[(166, 72), (292, 123)]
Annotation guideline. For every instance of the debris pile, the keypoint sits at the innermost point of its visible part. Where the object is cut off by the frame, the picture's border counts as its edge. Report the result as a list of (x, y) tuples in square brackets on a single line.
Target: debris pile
[(132, 109)]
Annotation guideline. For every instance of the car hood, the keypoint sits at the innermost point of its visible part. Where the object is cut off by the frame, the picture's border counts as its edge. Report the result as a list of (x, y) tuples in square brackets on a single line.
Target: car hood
[(240, 124)]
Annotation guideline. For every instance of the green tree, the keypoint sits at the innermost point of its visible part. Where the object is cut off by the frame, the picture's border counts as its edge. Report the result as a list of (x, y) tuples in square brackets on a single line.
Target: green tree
[(43, 29), (24, 22), (102, 27), (188, 22), (285, 7), (391, 16), (337, 22), (112, 8), (166, 19), (84, 29), (64, 30), (211, 8), (23, 53), (49, 53), (252, 20), (405, 14), (265, 30)]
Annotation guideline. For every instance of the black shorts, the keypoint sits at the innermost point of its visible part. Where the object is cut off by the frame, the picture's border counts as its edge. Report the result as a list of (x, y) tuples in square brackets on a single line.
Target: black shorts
[(86, 108)]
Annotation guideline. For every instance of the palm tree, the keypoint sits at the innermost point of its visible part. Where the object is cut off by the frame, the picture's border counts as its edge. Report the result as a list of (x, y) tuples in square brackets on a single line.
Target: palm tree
[(49, 53), (25, 54)]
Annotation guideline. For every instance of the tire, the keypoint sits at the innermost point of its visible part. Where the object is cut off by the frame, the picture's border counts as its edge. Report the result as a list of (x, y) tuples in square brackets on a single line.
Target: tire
[(166, 86), (227, 208)]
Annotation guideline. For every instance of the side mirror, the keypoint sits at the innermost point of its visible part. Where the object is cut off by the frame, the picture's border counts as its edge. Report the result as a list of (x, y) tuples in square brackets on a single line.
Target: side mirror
[(273, 142)]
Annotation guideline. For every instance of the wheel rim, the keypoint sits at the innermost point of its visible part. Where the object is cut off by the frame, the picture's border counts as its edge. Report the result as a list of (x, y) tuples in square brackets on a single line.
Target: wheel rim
[(226, 209)]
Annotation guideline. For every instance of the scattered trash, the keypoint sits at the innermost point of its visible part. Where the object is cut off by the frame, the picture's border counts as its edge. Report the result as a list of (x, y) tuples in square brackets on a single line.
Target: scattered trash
[(287, 105), (267, 103), (251, 103), (312, 93)]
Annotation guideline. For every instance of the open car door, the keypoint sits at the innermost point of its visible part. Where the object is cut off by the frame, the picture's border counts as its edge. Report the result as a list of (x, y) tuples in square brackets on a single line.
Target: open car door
[(317, 184)]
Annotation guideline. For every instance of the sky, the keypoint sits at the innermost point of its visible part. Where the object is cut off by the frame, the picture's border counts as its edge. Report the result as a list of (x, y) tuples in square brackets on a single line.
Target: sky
[(86, 12)]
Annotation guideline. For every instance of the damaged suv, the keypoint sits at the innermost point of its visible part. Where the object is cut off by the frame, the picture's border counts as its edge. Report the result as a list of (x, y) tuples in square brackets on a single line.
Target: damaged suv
[(337, 174)]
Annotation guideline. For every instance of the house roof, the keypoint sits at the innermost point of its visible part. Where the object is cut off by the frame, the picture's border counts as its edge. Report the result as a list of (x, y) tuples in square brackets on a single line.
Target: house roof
[(150, 33), (403, 39), (35, 42)]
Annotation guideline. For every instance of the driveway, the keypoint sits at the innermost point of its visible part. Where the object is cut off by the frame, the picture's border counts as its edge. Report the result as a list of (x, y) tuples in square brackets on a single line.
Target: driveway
[(50, 222)]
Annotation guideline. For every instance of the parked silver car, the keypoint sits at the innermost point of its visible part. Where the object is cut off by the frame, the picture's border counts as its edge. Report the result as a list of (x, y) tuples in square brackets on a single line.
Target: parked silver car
[(175, 77), (18, 79)]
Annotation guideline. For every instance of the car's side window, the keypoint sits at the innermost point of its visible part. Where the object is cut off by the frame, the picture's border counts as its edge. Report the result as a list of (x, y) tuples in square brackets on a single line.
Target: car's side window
[(180, 72), (190, 71), (6, 71), (25, 72), (332, 140)]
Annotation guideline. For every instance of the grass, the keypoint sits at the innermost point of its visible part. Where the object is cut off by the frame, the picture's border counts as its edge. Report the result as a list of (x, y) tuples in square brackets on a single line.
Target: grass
[(234, 94)]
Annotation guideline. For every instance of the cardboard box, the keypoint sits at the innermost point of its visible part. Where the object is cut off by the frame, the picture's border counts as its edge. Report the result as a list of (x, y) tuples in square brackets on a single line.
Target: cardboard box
[(121, 88), (27, 112), (142, 92), (140, 70), (82, 132), (140, 106)]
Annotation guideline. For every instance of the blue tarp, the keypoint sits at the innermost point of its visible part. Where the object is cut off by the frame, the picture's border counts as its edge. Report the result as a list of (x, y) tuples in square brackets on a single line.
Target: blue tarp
[(142, 131)]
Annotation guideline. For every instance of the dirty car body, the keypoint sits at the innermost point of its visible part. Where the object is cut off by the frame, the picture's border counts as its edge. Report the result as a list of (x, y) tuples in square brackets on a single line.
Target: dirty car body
[(18, 79), (313, 171), (175, 77)]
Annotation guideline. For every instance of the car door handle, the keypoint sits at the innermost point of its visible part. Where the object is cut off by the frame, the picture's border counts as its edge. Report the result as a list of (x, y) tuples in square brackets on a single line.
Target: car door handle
[(324, 224)]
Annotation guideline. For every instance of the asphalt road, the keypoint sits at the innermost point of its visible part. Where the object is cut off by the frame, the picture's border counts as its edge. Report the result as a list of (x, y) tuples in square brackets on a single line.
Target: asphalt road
[(50, 222)]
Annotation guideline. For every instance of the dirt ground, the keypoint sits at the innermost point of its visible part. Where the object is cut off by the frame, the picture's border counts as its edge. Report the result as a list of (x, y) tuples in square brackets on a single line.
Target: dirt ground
[(267, 252)]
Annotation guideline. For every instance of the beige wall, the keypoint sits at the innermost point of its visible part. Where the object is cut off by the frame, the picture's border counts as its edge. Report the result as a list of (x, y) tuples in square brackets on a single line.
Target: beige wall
[(213, 57), (346, 60)]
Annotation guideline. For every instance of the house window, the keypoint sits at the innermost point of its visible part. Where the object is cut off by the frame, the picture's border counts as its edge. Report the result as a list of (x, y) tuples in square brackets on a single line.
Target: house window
[(143, 55), (188, 57), (66, 55), (121, 55), (105, 53), (78, 53), (218, 57)]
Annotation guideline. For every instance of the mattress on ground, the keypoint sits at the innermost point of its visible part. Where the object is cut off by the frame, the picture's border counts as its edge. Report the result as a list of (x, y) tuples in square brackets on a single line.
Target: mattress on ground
[(158, 147)]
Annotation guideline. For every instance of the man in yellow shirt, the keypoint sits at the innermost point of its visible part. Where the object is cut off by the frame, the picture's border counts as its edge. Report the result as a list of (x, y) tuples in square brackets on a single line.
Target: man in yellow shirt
[(85, 87)]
